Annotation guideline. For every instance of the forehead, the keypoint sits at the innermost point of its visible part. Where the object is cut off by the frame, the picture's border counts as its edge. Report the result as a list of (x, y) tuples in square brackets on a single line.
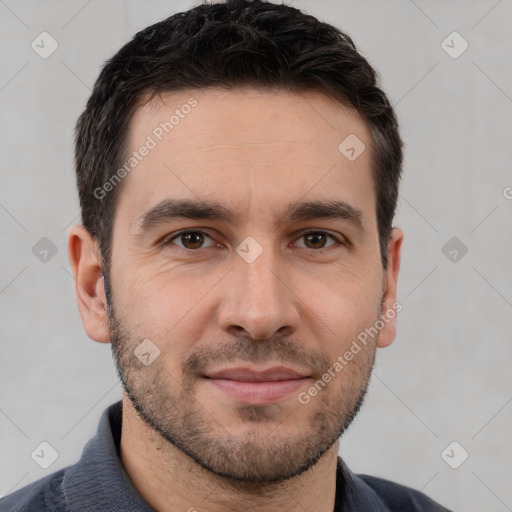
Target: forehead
[(246, 146)]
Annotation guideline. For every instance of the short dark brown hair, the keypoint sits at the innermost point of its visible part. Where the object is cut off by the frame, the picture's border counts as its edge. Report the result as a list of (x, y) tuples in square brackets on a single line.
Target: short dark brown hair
[(232, 44)]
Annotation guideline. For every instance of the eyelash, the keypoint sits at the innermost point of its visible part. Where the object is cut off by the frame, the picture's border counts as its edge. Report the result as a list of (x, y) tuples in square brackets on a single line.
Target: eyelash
[(168, 240)]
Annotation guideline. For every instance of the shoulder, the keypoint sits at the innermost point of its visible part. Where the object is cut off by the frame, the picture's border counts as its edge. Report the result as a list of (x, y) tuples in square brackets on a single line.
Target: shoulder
[(42, 495), (400, 497)]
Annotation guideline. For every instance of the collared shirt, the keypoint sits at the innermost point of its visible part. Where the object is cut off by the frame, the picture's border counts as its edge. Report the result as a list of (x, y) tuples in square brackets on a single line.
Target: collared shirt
[(99, 483)]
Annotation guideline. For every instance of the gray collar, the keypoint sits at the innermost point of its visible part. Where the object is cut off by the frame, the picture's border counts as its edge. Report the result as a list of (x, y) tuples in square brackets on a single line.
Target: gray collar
[(99, 482)]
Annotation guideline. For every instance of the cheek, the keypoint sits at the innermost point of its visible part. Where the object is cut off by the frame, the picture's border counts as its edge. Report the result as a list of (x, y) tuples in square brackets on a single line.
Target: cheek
[(342, 311), (167, 308), (149, 290), (346, 291)]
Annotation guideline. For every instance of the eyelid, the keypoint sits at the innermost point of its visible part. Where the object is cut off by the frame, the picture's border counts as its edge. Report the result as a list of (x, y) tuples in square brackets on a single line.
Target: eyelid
[(338, 238), (168, 239)]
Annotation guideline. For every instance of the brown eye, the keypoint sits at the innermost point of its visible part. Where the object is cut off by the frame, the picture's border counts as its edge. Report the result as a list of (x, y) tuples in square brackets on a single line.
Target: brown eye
[(318, 239), (190, 239)]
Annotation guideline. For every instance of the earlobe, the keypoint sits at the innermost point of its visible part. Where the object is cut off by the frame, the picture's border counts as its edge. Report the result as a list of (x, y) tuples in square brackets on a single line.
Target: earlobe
[(83, 254), (390, 305)]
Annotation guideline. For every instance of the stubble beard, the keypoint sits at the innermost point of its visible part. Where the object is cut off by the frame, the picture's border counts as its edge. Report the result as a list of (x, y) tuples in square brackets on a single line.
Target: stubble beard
[(265, 452)]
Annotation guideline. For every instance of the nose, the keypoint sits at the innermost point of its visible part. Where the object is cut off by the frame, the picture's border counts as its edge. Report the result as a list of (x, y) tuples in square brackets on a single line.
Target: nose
[(257, 299)]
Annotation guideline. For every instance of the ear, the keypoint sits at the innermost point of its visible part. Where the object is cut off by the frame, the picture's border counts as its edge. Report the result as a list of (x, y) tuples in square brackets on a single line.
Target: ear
[(83, 254), (390, 307)]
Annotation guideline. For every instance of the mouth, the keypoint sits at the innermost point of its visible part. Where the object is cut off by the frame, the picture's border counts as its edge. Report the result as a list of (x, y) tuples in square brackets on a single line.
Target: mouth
[(251, 386)]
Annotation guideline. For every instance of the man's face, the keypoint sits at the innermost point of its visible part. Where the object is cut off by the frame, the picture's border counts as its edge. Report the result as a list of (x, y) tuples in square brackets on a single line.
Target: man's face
[(259, 290)]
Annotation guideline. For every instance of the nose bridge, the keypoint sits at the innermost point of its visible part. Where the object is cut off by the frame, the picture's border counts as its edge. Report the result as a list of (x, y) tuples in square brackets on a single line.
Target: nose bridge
[(256, 298), (259, 272)]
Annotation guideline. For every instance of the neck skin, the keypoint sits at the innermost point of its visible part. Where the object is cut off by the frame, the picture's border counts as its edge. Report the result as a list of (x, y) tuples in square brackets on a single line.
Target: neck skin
[(169, 480)]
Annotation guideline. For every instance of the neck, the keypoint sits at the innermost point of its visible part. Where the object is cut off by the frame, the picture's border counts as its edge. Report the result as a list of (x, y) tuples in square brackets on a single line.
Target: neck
[(167, 479)]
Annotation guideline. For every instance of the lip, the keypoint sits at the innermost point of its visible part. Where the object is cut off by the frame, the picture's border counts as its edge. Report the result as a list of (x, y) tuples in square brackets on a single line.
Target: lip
[(247, 374), (250, 386)]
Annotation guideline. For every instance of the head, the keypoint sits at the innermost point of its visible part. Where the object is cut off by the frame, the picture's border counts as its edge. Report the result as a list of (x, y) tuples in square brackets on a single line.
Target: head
[(239, 123)]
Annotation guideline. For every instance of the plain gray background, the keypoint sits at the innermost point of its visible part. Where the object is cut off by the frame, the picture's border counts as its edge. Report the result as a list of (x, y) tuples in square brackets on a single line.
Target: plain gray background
[(445, 378)]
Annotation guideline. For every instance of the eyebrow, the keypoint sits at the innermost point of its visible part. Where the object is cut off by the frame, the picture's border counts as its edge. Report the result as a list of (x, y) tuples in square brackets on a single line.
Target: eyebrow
[(170, 209)]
